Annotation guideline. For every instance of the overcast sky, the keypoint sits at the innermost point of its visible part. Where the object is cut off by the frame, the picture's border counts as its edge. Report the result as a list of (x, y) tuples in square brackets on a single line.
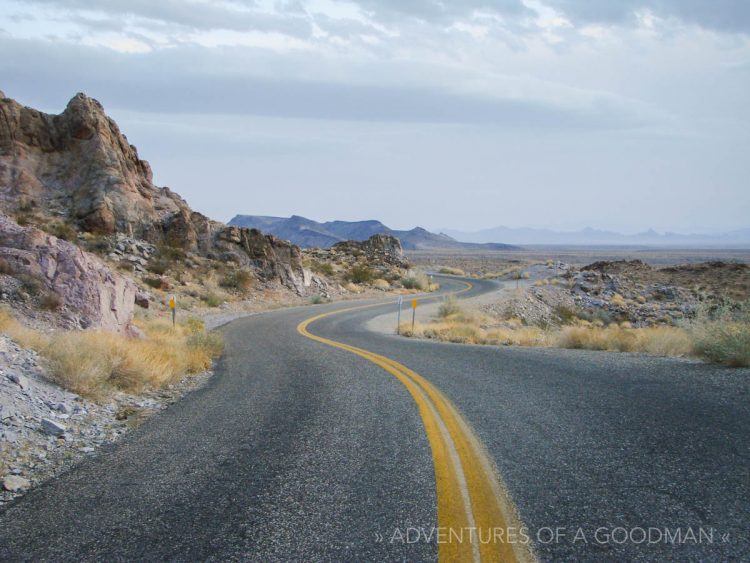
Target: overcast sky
[(466, 114)]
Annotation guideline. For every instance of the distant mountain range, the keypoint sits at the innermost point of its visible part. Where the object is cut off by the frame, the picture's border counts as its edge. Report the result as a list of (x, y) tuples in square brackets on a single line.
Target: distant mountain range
[(308, 233), (589, 236)]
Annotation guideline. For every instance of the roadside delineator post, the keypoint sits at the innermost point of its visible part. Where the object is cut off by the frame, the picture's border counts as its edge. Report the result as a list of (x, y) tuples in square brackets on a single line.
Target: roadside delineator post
[(398, 319), (173, 308), (413, 314)]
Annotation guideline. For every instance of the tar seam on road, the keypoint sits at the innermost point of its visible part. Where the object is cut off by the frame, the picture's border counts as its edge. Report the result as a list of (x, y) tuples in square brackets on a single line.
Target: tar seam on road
[(471, 497)]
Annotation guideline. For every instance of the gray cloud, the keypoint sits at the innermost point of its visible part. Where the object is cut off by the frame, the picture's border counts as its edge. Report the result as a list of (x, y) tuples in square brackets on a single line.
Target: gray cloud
[(200, 80), (198, 16), (439, 10), (721, 15)]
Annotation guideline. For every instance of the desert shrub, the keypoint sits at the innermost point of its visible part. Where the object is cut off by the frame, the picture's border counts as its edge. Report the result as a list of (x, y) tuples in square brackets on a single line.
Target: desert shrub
[(62, 231), (353, 287), (152, 282), (416, 281), (316, 299), (97, 243), (171, 253), (27, 206), (50, 301), (665, 341), (721, 334), (31, 284), (158, 266), (359, 273), (449, 307), (451, 271), (566, 314), (617, 300), (212, 299), (238, 280), (381, 284), (324, 268), (5, 267)]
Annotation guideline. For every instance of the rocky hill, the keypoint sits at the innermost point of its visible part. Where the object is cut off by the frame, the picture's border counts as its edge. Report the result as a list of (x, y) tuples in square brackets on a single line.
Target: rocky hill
[(75, 173), (309, 234)]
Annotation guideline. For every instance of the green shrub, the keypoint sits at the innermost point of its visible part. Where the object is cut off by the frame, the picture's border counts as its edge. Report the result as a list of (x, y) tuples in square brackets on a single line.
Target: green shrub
[(317, 299), (62, 231), (153, 282), (416, 281), (324, 268), (239, 280), (158, 266), (722, 334), (30, 284), (360, 273), (171, 253), (212, 300)]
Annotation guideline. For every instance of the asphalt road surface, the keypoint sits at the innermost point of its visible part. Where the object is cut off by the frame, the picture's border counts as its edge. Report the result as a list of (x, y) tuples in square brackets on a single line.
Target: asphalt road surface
[(327, 442)]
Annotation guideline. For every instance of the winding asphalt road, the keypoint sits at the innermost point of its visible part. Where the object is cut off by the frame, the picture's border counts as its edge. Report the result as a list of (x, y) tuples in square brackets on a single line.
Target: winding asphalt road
[(327, 442)]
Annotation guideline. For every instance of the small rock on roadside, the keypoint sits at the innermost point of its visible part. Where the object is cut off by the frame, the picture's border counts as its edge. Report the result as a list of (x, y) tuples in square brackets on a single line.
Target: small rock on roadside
[(20, 380), (51, 427), (14, 483)]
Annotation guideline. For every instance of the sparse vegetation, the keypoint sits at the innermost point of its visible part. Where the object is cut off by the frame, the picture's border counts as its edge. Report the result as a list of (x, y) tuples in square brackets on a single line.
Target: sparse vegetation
[(50, 301), (448, 307), (418, 281), (152, 282), (317, 299), (324, 268), (451, 271), (359, 273), (5, 267), (718, 334), (212, 299), (62, 231), (238, 280), (95, 363), (381, 284), (722, 334)]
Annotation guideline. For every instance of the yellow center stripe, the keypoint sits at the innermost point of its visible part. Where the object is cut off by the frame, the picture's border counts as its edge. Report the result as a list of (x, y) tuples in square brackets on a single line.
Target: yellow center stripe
[(475, 513)]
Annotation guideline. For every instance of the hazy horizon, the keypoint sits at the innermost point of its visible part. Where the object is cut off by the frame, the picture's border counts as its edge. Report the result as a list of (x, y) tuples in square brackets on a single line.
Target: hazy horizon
[(558, 114)]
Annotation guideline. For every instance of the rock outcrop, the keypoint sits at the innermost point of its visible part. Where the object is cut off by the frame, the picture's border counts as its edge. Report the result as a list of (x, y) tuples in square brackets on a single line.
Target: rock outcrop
[(383, 249), (77, 167), (91, 294)]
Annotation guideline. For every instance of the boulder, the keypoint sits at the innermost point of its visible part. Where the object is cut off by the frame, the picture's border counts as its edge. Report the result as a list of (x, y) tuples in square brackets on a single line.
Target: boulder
[(99, 297)]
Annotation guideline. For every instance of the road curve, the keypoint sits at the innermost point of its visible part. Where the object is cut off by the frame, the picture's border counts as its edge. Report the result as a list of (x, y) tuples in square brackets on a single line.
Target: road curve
[(300, 450)]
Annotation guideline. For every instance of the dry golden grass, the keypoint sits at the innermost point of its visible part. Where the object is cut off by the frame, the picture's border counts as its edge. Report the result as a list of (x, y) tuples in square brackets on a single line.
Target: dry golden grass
[(381, 284), (661, 341), (451, 271), (474, 328), (617, 300), (95, 363)]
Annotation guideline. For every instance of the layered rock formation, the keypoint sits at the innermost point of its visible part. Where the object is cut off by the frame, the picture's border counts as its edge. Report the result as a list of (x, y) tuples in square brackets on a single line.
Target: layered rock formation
[(385, 249), (90, 292), (78, 167)]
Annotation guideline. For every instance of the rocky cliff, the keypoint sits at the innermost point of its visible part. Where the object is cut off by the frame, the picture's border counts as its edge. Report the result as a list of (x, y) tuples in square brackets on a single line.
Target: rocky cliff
[(88, 293), (77, 167)]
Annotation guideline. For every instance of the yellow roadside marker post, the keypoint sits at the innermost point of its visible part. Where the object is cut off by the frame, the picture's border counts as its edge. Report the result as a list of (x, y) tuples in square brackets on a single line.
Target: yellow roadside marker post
[(413, 314), (173, 308)]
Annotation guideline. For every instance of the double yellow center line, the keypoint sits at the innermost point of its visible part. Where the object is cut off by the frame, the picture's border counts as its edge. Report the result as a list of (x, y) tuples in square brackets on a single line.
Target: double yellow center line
[(475, 513)]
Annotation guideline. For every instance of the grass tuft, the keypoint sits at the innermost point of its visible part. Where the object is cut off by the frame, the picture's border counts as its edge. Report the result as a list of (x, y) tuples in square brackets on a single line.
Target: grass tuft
[(96, 363)]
